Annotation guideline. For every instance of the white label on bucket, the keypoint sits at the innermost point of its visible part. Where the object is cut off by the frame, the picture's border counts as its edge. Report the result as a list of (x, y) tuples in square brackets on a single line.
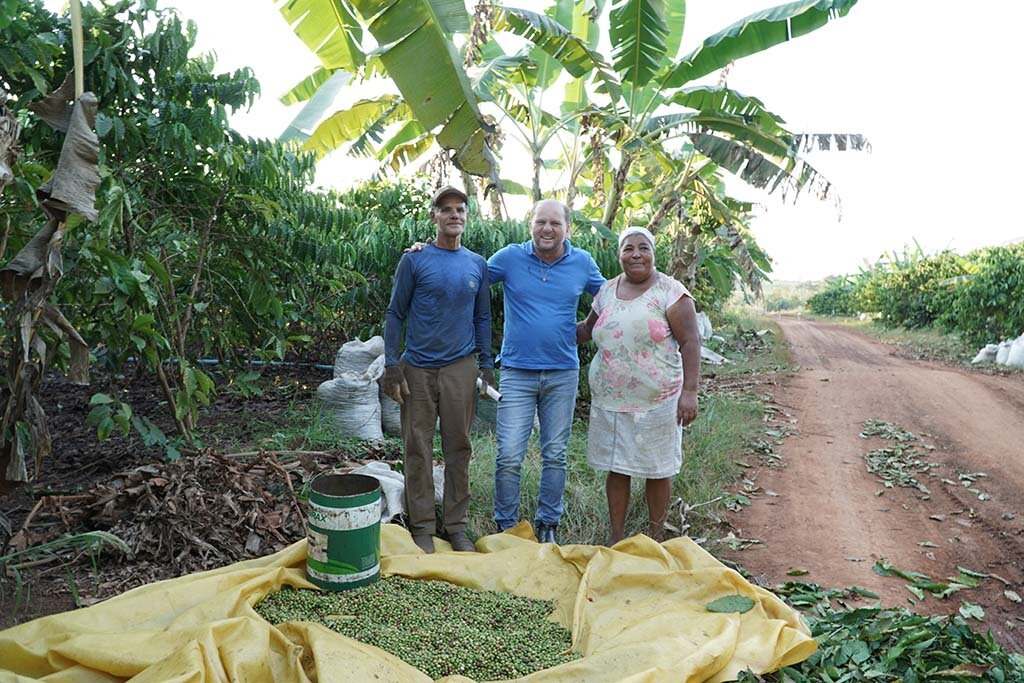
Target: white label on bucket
[(342, 578), (344, 519), (317, 546)]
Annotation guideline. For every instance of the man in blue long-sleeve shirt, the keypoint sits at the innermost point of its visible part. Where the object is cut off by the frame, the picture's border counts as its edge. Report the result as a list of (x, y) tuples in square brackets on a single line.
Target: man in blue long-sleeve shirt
[(440, 294)]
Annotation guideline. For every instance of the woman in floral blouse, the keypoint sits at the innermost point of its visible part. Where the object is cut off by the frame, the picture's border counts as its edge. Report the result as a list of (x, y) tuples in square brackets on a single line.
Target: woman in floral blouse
[(643, 380)]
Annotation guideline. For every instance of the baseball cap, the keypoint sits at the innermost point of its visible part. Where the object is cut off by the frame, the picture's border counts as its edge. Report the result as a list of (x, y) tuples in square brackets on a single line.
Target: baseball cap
[(446, 190)]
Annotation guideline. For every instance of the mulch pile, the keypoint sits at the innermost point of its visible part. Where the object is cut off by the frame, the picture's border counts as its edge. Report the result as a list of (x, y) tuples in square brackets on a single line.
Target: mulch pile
[(197, 513)]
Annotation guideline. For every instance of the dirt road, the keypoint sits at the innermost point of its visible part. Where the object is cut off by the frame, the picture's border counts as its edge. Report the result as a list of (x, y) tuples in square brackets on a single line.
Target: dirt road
[(825, 513)]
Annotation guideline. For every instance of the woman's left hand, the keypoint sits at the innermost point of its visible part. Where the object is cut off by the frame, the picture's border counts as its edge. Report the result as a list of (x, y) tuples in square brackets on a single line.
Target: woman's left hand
[(686, 407)]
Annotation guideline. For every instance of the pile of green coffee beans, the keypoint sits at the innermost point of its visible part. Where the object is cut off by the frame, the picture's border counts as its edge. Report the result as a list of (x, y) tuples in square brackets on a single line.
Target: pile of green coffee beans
[(439, 628)]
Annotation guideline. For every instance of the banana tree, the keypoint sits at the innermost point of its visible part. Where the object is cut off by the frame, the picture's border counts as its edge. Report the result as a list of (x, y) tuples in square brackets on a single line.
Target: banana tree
[(654, 106), (412, 44)]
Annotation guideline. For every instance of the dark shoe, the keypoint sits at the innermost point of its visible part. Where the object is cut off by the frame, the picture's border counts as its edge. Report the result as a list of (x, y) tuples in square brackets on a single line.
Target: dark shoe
[(460, 542), (425, 542), (545, 532)]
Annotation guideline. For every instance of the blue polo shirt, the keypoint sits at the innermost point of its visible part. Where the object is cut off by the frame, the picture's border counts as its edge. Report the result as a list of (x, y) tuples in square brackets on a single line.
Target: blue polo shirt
[(540, 304)]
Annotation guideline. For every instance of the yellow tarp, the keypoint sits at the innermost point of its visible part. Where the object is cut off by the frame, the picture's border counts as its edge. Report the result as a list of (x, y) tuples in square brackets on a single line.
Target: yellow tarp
[(637, 613)]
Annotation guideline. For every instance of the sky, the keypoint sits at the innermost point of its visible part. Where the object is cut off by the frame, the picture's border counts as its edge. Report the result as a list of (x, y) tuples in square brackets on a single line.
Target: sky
[(922, 79)]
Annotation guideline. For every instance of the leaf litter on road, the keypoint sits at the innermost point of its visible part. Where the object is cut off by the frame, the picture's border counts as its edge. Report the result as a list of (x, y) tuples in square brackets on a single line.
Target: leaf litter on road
[(898, 464), (886, 430)]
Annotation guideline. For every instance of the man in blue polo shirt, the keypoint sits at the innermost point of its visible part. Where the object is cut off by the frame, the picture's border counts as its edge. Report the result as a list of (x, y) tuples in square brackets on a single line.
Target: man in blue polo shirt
[(440, 293), (543, 280)]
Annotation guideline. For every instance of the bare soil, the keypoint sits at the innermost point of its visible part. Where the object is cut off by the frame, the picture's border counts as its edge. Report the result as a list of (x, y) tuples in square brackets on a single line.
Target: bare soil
[(825, 513)]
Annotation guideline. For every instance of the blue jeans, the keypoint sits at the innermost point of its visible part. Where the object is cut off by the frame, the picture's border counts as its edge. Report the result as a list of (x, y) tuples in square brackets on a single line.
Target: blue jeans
[(551, 394)]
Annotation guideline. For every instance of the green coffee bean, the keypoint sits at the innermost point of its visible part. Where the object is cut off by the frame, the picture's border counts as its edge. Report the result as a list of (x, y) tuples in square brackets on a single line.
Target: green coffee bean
[(439, 628)]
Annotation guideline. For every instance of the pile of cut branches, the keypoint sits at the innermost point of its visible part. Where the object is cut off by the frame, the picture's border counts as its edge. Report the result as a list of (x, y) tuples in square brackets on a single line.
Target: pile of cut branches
[(191, 514)]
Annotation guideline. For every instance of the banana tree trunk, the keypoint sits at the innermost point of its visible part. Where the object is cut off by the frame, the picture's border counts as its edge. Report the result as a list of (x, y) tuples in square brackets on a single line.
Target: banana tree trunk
[(682, 262), (667, 204), (535, 190), (615, 196), (467, 182)]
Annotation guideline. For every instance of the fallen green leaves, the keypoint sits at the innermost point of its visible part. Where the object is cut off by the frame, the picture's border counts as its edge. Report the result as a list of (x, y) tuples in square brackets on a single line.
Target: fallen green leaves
[(886, 430), (872, 643), (437, 627), (731, 603), (919, 583), (898, 464)]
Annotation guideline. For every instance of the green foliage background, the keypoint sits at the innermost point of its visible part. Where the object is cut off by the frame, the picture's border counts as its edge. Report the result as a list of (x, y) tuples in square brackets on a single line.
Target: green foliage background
[(210, 244), (979, 295)]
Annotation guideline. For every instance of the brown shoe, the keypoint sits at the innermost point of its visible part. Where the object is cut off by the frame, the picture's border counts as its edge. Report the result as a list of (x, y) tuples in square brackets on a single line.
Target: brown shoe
[(460, 542), (425, 542)]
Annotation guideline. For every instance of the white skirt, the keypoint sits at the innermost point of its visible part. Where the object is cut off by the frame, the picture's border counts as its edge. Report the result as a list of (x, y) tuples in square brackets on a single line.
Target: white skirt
[(647, 444)]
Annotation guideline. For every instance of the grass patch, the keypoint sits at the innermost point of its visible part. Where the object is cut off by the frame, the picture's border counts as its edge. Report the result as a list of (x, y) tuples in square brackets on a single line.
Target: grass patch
[(307, 426), (726, 426), (721, 433), (303, 426)]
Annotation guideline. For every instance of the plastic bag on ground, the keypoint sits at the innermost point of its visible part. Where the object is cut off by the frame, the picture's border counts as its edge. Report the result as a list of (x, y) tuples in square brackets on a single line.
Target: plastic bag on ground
[(987, 354), (392, 488), (637, 612), (712, 358)]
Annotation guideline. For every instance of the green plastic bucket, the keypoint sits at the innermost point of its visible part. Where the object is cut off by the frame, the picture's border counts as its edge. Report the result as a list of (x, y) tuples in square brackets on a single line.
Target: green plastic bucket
[(344, 531)]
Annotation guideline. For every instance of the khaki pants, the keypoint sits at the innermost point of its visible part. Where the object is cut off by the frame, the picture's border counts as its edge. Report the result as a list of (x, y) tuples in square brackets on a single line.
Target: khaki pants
[(447, 392)]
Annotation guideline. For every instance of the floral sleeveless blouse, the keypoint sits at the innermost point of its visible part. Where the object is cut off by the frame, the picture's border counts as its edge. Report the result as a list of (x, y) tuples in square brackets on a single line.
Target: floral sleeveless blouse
[(637, 365)]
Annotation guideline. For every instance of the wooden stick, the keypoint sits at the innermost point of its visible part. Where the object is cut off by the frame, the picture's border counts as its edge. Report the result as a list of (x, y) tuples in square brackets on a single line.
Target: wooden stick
[(24, 527), (77, 40), (251, 454), (295, 499)]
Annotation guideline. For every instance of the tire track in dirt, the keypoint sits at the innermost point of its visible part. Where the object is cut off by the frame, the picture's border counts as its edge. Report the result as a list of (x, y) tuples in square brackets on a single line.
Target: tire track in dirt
[(826, 516)]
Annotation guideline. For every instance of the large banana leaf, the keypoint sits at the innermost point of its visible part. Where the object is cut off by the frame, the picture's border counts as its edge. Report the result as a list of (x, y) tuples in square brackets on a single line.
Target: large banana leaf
[(362, 146), (307, 119), (548, 68), (407, 145), (348, 124), (495, 74), (716, 98), (753, 34), (777, 142), (675, 20), (416, 51), (571, 51), (421, 60), (759, 170), (585, 26), (328, 28), (638, 32), (307, 87)]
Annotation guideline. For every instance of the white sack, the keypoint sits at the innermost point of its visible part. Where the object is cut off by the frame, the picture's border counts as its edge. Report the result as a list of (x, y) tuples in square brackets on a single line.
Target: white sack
[(704, 326), (355, 356), (987, 354), (439, 484), (353, 401), (1003, 353), (1016, 355)]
